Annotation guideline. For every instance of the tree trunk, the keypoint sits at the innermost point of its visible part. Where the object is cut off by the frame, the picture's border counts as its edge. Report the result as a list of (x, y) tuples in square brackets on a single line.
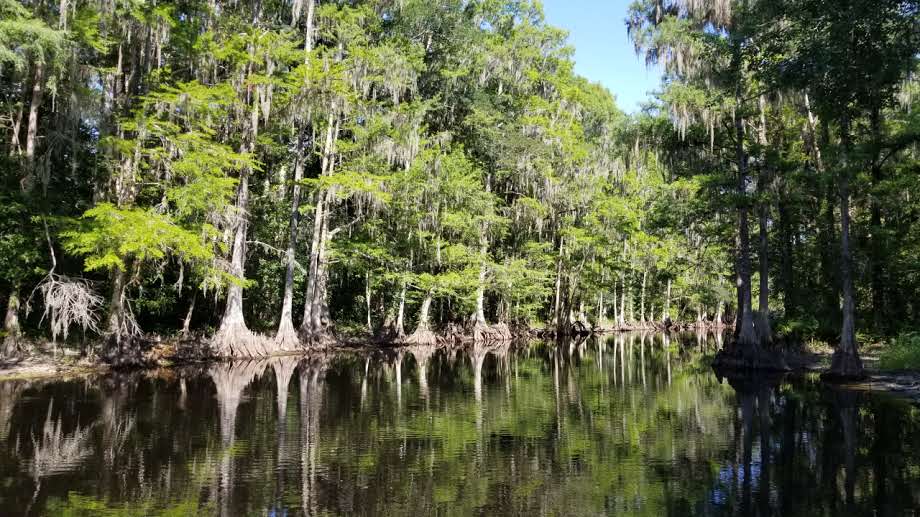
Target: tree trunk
[(616, 317), (790, 299), (15, 147), (316, 313), (745, 352), (642, 299), (622, 316), (11, 326), (632, 308), (319, 312), (116, 327), (367, 300), (233, 338), (423, 334), (846, 362), (308, 31), (401, 313), (747, 337), (187, 322), (601, 311), (666, 311), (286, 337), (762, 327), (318, 216), (480, 316), (38, 89), (557, 302)]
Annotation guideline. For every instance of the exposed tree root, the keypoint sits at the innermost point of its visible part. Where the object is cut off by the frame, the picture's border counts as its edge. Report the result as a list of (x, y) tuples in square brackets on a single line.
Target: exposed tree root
[(423, 335), (389, 331), (491, 333), (234, 339), (9, 348), (286, 339), (124, 351), (317, 339)]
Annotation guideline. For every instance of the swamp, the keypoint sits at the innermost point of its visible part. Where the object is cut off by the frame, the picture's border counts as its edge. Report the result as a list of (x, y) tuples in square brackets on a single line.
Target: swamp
[(431, 257), (621, 424)]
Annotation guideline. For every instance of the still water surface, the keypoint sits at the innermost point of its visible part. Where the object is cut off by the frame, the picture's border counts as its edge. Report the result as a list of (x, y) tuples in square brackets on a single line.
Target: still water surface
[(627, 424)]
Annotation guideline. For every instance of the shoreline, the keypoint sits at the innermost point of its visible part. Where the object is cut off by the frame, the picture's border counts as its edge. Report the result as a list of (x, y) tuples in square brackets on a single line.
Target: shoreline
[(903, 384)]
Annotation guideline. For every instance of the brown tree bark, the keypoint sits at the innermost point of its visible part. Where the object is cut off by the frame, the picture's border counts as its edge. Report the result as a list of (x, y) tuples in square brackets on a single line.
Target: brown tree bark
[(11, 327), (314, 327), (747, 338), (846, 362), (762, 326)]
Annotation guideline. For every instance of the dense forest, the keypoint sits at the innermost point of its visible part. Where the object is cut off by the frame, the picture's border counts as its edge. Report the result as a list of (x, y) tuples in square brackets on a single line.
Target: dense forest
[(259, 176)]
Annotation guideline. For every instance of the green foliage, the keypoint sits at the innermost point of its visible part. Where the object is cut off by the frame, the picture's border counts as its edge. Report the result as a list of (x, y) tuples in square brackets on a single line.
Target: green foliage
[(454, 151), (110, 237), (901, 353)]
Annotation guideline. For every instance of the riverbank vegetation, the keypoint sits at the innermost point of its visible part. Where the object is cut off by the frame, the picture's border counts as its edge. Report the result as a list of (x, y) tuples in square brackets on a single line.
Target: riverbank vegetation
[(263, 177)]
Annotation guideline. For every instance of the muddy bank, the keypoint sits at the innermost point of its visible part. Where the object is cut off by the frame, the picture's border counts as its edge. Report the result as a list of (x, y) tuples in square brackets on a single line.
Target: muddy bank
[(47, 367)]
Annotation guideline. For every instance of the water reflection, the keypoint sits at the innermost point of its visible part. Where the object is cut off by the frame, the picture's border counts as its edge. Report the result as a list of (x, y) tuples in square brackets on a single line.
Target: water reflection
[(630, 423)]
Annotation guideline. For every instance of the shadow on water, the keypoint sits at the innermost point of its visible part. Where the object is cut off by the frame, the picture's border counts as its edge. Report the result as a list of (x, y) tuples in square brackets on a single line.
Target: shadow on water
[(629, 423)]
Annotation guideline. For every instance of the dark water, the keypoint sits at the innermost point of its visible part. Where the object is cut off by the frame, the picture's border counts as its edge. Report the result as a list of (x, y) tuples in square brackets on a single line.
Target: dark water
[(625, 425)]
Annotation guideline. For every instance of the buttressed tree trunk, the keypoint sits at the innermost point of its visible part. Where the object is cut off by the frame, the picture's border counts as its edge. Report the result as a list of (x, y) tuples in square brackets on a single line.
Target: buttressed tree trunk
[(233, 338), (846, 362), (747, 338), (11, 326), (423, 334), (120, 326), (315, 326), (286, 337), (746, 351)]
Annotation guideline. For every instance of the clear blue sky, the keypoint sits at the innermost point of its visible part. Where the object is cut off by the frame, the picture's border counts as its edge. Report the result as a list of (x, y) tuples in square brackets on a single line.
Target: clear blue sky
[(603, 52)]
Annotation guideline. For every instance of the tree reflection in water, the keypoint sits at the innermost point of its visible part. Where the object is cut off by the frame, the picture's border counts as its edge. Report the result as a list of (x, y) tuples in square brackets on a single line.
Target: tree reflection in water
[(631, 424)]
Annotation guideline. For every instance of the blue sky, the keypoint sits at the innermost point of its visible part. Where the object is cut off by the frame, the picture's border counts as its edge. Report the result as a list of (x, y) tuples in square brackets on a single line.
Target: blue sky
[(603, 52)]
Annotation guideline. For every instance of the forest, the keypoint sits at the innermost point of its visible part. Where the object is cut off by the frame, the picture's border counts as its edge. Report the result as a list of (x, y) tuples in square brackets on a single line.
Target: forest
[(253, 177)]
